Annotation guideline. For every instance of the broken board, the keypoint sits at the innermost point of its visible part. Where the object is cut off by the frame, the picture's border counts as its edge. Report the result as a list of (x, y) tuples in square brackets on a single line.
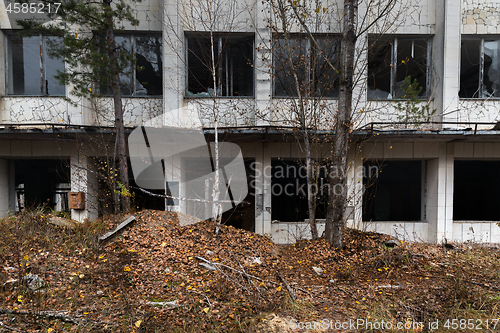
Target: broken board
[(116, 230)]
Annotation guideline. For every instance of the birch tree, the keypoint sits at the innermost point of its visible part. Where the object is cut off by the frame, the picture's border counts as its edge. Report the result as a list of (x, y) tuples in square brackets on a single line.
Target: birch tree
[(208, 25)]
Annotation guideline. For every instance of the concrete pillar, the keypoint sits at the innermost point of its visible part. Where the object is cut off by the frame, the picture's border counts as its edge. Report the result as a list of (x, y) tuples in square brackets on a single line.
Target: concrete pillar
[(173, 173), (84, 180), (439, 199), (355, 188), (4, 188), (262, 190), (263, 65), (431, 200), (449, 166), (446, 59), (173, 68)]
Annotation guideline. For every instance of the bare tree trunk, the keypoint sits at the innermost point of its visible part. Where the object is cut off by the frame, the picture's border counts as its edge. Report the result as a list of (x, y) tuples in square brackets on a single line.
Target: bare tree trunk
[(311, 196), (117, 102), (337, 199), (216, 211)]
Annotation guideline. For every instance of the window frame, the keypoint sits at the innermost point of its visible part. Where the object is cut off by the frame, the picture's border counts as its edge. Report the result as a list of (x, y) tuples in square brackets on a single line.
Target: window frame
[(309, 52), (131, 36), (369, 181), (42, 65), (393, 70), (465, 181), (481, 58), (218, 40), (298, 180)]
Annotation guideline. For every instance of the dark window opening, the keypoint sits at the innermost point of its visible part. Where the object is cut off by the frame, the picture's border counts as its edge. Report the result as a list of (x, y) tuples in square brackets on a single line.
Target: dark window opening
[(199, 184), (390, 61), (31, 70), (392, 191), (243, 215), (42, 182), (145, 76), (298, 56), (232, 65), (480, 69), (145, 201), (289, 191), (476, 191)]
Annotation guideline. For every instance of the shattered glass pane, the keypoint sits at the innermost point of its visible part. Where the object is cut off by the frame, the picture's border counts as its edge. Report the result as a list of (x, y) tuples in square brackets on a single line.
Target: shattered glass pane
[(469, 68), (379, 69), (148, 73), (491, 80)]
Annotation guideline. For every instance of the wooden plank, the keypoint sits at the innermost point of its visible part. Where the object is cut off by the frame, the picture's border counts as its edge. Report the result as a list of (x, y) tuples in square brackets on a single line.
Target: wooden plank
[(122, 225)]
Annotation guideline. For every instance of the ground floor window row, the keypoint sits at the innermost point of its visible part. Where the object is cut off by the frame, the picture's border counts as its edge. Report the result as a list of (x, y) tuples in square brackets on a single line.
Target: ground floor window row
[(392, 190)]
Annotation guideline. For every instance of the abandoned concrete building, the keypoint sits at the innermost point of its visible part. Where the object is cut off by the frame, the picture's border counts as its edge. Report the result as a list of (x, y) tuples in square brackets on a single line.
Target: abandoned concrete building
[(434, 181)]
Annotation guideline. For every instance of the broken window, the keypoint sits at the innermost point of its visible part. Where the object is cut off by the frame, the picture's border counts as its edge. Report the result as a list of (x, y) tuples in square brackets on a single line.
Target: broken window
[(300, 65), (232, 65), (42, 182), (476, 191), (289, 191), (30, 68), (391, 60), (480, 68), (392, 191), (144, 77)]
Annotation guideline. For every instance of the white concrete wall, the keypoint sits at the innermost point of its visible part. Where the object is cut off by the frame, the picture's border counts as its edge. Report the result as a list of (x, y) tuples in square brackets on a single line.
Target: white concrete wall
[(388, 111), (137, 111), (405, 231), (290, 232), (477, 110), (480, 16), (230, 111), (480, 232), (406, 17), (29, 109)]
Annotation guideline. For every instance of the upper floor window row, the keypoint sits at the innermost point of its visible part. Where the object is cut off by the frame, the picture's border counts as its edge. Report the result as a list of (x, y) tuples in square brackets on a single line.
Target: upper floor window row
[(480, 68), (392, 59), (305, 65), (30, 68), (221, 65)]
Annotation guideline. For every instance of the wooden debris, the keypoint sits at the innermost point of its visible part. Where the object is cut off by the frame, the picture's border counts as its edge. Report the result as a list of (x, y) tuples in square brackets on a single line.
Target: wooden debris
[(290, 292), (121, 226)]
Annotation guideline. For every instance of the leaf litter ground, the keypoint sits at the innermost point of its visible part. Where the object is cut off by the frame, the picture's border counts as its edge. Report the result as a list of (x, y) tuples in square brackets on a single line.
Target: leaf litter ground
[(157, 276)]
